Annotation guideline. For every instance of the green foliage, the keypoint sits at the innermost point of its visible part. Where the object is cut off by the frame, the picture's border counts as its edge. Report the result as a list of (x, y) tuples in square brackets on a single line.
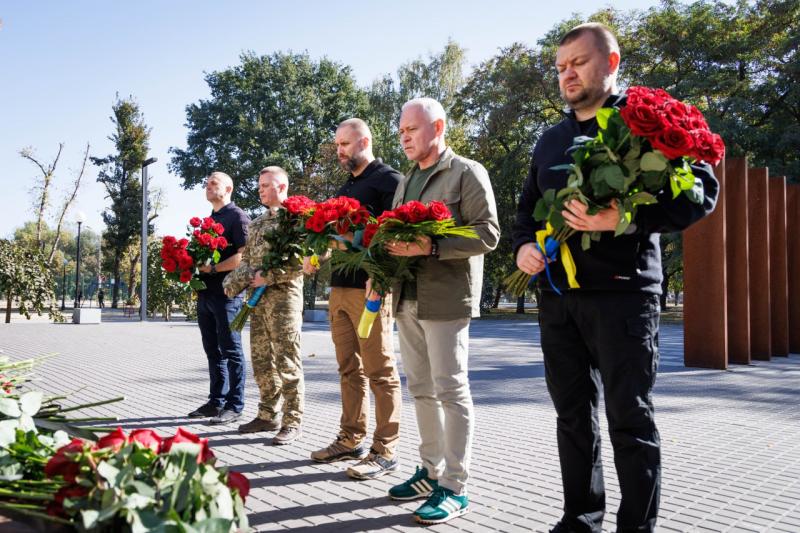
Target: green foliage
[(119, 173), (25, 276), (163, 293), (268, 110)]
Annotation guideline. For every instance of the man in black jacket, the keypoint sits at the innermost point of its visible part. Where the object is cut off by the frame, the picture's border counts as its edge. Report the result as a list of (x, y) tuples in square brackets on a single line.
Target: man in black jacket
[(605, 332), (363, 361)]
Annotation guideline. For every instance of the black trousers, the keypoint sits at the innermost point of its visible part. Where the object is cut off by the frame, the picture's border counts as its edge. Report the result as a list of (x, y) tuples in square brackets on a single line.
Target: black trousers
[(589, 338)]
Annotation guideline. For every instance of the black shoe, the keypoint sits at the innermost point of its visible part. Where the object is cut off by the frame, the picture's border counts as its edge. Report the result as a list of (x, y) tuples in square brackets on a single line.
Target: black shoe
[(225, 417), (562, 527), (259, 424), (205, 411)]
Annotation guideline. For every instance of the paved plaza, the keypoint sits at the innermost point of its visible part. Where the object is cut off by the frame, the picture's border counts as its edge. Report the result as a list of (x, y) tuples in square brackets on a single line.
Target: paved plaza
[(731, 439)]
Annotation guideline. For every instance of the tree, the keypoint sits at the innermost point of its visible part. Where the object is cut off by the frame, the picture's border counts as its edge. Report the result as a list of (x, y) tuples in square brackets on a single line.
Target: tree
[(162, 293), (43, 194), (269, 110), (120, 175), (25, 276)]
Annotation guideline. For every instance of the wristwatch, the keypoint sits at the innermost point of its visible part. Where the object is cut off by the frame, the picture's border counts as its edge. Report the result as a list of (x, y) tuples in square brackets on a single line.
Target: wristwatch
[(213, 268), (435, 249)]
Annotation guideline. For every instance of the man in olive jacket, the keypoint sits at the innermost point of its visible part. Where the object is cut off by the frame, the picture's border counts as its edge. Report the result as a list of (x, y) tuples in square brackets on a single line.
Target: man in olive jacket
[(433, 311)]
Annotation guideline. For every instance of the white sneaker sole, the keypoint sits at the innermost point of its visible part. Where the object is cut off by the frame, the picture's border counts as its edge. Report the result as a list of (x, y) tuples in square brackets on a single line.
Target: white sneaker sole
[(449, 517), (374, 475)]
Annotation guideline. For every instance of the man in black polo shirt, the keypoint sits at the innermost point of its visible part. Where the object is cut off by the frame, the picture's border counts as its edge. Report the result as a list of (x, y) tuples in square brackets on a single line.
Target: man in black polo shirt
[(363, 361), (223, 347)]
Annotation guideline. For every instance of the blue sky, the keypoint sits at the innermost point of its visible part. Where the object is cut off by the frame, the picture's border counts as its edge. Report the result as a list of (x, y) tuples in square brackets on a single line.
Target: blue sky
[(62, 64)]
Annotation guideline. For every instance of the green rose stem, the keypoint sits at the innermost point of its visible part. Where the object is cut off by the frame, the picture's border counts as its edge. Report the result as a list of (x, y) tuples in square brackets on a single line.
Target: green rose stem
[(95, 404), (33, 510), (26, 495)]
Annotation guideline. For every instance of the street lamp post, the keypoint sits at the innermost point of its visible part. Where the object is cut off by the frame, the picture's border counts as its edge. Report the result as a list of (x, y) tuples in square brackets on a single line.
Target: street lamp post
[(143, 285), (80, 218), (64, 285)]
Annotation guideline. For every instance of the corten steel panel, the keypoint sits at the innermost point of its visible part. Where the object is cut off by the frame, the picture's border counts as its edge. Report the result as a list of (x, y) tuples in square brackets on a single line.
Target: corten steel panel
[(737, 273), (758, 221), (705, 323), (793, 263), (778, 278)]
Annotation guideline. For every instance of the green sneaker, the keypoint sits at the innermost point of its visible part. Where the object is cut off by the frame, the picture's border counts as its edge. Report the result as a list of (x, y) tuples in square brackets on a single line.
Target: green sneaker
[(442, 505), (419, 486)]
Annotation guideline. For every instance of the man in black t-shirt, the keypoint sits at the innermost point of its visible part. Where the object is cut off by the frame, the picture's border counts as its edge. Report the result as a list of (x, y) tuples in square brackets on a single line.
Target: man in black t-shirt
[(363, 361), (215, 311)]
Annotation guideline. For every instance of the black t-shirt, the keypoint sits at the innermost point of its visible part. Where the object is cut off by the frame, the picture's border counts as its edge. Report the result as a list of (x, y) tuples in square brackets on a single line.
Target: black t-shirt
[(374, 188), (235, 222)]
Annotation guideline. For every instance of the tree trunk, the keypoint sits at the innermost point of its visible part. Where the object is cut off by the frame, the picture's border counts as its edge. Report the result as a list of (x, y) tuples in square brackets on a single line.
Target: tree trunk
[(8, 307), (497, 292), (115, 290), (663, 297), (521, 304)]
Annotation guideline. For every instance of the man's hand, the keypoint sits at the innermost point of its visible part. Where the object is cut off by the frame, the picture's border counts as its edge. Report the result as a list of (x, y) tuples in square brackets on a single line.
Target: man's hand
[(410, 249), (309, 268), (576, 217), (205, 269), (370, 294), (258, 280), (530, 259)]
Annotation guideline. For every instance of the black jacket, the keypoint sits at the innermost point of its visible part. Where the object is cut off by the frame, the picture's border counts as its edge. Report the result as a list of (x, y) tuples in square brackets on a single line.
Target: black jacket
[(630, 262), (374, 188)]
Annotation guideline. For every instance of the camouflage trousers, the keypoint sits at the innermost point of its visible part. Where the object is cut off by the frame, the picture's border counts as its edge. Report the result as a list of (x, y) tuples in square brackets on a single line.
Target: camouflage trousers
[(275, 325)]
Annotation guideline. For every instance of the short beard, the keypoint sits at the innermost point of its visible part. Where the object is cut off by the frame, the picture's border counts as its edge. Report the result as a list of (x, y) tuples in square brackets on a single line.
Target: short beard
[(352, 163), (585, 98)]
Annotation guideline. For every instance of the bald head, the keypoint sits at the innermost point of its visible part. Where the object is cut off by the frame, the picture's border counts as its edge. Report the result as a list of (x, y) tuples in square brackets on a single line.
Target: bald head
[(354, 145)]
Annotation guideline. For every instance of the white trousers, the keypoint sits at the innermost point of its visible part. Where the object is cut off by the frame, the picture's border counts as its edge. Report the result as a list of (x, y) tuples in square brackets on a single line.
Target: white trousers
[(435, 354)]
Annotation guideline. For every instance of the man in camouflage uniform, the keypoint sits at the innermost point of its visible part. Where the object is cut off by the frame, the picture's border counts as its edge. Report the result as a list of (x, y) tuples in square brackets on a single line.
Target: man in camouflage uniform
[(275, 322)]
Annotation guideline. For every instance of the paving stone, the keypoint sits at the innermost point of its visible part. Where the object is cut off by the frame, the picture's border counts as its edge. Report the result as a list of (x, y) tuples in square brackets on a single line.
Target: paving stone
[(730, 439)]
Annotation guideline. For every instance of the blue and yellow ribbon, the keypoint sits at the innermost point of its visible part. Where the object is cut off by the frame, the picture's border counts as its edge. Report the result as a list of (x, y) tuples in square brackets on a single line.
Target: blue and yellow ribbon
[(551, 248)]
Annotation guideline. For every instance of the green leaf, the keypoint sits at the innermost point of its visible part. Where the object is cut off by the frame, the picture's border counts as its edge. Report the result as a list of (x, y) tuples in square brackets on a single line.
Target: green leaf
[(612, 175), (10, 407), (673, 183), (541, 210), (110, 473), (215, 256), (214, 525), (653, 161), (89, 517), (603, 114), (642, 198), (31, 402)]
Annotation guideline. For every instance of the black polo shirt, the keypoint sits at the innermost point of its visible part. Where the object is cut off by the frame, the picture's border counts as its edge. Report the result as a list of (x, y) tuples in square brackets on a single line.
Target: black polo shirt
[(374, 188), (235, 222)]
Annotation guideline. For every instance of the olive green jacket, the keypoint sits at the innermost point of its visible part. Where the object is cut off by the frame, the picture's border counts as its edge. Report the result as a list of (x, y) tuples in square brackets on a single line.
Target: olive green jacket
[(449, 287)]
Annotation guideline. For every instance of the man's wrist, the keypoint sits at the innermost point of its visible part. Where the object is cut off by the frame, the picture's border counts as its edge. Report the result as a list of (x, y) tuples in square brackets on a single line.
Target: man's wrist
[(434, 249), (213, 268)]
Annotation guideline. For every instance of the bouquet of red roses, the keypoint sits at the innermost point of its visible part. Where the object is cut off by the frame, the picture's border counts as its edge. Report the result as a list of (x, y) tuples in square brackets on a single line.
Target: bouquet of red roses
[(641, 148), (140, 481), (405, 223), (332, 219), (180, 258), (285, 246)]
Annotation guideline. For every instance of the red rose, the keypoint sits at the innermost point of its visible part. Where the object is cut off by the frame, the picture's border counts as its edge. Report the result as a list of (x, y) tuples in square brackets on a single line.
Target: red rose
[(316, 223), (369, 232), (342, 226), (182, 436), (386, 215), (709, 147), (62, 465), (401, 213), (695, 120), (439, 211), (204, 239), (673, 142), (169, 240), (218, 228), (195, 222), (643, 120), (185, 261), (239, 483), (115, 440), (183, 243), (417, 211), (169, 264), (207, 223), (222, 243), (186, 276), (677, 113), (72, 492), (299, 205), (147, 438), (196, 233)]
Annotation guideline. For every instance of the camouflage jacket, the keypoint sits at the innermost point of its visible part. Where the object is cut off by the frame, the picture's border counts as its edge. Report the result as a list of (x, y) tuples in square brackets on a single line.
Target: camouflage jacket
[(254, 250)]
